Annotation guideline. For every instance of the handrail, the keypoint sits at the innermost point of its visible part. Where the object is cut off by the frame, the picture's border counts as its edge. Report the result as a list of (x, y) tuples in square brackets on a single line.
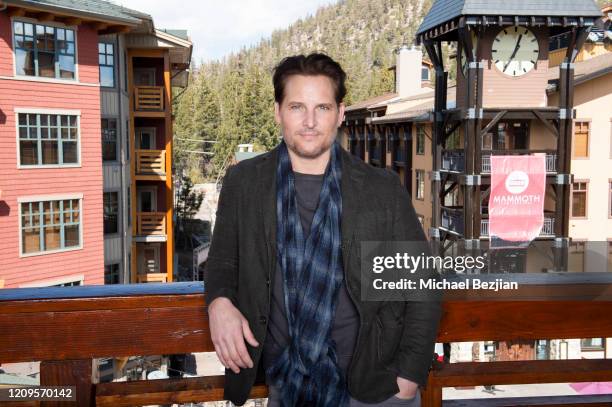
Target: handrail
[(151, 223), (150, 161), (81, 323), (149, 98)]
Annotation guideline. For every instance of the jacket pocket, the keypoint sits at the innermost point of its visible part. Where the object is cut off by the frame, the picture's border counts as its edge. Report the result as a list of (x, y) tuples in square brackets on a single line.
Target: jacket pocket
[(388, 337)]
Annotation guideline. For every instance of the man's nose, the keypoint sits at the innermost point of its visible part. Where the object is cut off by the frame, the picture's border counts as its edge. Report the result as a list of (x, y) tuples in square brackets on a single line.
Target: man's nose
[(310, 120)]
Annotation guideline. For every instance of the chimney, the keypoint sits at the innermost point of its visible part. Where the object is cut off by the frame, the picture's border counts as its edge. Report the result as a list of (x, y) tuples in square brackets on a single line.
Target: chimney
[(408, 71)]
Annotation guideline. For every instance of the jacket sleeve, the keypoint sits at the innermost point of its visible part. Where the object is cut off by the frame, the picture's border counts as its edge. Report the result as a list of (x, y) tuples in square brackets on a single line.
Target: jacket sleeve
[(421, 318), (221, 270)]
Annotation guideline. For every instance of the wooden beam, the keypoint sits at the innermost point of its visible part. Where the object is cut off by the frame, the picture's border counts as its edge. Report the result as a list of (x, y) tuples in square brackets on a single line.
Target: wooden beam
[(98, 26), (529, 371), (76, 373), (16, 12), (115, 29), (493, 122), (45, 17), (72, 21), (546, 124), (167, 391)]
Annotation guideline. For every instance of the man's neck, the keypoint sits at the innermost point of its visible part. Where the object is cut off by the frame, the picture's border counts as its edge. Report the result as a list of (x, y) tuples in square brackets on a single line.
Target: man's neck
[(313, 166)]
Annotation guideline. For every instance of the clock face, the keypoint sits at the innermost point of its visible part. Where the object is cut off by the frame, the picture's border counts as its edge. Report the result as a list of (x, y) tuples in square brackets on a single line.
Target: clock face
[(515, 51)]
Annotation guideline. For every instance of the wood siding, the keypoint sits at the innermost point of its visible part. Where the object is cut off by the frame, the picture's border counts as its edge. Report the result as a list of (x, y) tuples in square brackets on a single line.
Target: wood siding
[(86, 179)]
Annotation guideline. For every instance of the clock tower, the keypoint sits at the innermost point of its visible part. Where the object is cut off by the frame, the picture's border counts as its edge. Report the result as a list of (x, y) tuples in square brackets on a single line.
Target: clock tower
[(501, 109)]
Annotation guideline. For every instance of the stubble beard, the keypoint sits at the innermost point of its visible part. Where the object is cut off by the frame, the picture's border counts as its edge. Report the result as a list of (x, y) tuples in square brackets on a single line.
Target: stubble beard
[(322, 149)]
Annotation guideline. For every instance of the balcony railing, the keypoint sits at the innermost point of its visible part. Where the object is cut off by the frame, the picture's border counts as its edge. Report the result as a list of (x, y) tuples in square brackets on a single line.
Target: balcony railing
[(453, 160), (452, 219), (548, 228), (551, 158), (151, 162), (149, 98), (399, 157), (151, 223), (81, 323)]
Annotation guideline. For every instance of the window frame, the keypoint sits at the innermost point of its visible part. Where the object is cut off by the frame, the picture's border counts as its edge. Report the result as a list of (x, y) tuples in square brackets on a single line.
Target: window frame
[(586, 198), (588, 148), (416, 184), (41, 200), (59, 112), (420, 132), (591, 348), (117, 138), (55, 25), (118, 232), (113, 66), (118, 265)]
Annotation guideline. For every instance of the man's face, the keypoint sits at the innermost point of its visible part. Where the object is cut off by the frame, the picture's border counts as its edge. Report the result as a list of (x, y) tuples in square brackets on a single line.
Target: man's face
[(308, 115)]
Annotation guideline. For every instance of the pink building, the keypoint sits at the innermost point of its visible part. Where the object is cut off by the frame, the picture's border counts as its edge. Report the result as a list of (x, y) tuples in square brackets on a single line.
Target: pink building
[(51, 228)]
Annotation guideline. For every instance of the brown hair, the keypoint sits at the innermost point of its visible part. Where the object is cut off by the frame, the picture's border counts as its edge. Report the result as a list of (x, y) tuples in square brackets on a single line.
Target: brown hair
[(311, 65)]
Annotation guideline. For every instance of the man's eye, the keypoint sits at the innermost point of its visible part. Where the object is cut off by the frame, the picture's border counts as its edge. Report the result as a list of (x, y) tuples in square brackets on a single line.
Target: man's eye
[(295, 107), (324, 107)]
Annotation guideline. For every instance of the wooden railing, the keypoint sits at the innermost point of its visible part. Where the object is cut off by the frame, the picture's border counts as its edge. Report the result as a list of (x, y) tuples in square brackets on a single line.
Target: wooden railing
[(151, 223), (82, 323), (151, 162), (149, 98)]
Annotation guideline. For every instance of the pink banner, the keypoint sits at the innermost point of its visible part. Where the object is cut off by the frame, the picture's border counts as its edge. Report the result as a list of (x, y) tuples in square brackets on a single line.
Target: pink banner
[(516, 203)]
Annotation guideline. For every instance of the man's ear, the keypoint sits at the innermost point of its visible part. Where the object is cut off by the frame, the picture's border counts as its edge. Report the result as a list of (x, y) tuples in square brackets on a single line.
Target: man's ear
[(277, 113), (341, 108)]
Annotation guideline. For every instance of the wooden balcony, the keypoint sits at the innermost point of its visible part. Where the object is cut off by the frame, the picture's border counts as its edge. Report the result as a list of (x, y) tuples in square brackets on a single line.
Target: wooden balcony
[(151, 165), (453, 160), (151, 226), (148, 99), (82, 323)]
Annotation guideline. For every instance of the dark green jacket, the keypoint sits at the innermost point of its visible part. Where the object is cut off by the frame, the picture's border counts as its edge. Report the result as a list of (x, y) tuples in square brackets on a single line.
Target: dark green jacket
[(395, 338)]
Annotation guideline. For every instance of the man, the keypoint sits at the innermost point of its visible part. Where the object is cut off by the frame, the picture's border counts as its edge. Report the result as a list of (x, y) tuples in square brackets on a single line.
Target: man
[(282, 278)]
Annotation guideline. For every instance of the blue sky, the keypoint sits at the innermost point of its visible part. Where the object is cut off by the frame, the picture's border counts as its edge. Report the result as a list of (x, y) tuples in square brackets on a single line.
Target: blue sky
[(220, 27)]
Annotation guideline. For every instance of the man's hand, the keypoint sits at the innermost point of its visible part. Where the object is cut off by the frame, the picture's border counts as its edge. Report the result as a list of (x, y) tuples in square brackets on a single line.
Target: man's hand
[(228, 330), (407, 388)]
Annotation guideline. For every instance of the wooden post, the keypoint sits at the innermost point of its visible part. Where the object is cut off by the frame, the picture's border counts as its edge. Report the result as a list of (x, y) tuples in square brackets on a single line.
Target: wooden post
[(69, 373)]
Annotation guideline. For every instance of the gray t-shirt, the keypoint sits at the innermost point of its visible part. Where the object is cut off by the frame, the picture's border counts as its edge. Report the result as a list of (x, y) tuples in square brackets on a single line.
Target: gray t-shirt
[(346, 319)]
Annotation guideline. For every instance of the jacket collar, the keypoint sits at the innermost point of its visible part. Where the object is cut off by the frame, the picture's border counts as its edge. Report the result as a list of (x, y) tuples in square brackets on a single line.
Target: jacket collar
[(352, 180)]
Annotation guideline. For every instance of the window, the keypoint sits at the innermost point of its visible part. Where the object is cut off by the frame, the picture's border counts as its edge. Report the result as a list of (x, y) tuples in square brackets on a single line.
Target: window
[(420, 140), (610, 198), (576, 256), (44, 51), (106, 60), (420, 184), (48, 139), (111, 273), (579, 199), (109, 140), (111, 212), (50, 225), (592, 344), (424, 73), (581, 139), (69, 284)]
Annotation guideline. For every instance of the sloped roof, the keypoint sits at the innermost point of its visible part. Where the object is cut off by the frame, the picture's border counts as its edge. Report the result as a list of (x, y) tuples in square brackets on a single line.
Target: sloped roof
[(445, 10), (583, 70), (94, 8), (419, 110), (364, 104)]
